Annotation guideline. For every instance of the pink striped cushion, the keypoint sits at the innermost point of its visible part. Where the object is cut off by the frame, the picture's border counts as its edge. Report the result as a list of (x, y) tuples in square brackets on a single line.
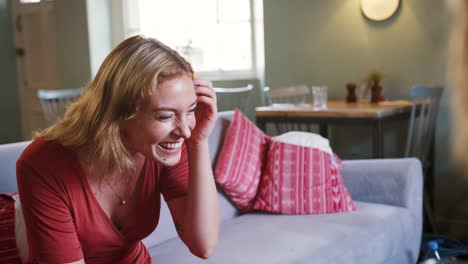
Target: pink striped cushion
[(302, 180), (8, 250), (239, 164)]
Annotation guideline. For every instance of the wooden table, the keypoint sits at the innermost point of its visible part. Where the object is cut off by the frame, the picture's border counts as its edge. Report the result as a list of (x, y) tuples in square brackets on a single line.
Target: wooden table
[(339, 112)]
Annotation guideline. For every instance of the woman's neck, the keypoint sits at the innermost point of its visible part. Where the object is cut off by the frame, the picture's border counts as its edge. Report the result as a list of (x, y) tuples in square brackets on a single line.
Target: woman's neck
[(93, 173)]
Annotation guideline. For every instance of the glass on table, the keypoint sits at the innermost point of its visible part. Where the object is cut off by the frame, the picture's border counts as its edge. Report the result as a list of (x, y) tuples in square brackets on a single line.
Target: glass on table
[(320, 94)]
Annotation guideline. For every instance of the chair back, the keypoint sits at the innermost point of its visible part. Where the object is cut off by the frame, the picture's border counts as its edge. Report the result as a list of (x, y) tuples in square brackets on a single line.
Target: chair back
[(232, 98), (297, 94), (421, 132), (55, 102), (422, 121)]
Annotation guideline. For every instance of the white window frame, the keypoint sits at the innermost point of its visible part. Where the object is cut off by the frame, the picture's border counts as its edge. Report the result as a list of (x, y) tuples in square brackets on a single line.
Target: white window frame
[(125, 23)]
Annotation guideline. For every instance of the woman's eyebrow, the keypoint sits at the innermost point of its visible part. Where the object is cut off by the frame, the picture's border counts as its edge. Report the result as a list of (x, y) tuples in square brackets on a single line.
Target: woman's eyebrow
[(170, 109)]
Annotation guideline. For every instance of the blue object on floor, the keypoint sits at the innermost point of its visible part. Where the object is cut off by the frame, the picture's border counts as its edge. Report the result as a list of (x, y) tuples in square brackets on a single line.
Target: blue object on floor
[(432, 255), (446, 246)]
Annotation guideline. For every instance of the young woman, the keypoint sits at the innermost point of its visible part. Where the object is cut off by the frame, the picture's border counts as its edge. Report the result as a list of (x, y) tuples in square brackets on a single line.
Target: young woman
[(90, 184)]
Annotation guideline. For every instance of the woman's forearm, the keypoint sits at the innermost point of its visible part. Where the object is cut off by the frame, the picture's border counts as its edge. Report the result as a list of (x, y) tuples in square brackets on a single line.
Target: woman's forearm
[(202, 213)]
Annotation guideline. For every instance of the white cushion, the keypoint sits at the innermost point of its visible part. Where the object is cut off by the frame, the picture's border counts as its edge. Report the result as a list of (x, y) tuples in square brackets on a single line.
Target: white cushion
[(305, 139)]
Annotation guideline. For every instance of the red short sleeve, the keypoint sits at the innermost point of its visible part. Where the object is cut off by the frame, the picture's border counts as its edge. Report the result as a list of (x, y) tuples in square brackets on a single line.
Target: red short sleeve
[(174, 179), (50, 229)]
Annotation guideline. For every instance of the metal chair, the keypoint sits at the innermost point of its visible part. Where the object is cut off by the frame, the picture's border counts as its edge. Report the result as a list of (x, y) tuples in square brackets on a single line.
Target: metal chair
[(420, 140), (294, 95), (232, 98), (55, 102)]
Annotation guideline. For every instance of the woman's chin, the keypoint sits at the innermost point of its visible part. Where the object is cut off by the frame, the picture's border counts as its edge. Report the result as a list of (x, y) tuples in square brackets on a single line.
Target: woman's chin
[(168, 161), (167, 158)]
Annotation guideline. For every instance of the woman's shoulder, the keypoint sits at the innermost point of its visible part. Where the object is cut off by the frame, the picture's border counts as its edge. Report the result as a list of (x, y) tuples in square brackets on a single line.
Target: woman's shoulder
[(45, 152)]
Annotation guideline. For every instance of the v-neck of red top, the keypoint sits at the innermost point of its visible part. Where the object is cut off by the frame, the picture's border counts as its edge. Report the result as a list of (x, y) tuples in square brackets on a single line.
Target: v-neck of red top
[(136, 197)]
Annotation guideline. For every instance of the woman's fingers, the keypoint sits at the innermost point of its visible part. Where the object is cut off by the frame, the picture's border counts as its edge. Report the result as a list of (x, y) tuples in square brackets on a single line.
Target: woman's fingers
[(202, 83), (206, 109), (207, 106), (208, 101), (205, 91), (204, 88)]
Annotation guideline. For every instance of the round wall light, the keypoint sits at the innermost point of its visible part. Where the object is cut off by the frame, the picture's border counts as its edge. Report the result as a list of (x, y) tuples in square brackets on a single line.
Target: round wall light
[(379, 10)]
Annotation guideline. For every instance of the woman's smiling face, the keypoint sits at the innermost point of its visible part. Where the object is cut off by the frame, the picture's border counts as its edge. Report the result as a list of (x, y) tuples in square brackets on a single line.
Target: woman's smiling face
[(163, 122)]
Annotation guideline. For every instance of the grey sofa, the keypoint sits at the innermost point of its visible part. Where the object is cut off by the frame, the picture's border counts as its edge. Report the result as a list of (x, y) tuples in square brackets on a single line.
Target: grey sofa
[(386, 228)]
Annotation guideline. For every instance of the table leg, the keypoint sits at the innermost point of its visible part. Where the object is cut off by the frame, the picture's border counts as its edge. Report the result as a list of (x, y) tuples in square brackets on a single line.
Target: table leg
[(377, 140), (323, 130)]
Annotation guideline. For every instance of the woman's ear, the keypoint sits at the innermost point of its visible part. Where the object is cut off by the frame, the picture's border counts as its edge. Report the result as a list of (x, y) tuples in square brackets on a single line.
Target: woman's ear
[(123, 127), (124, 123)]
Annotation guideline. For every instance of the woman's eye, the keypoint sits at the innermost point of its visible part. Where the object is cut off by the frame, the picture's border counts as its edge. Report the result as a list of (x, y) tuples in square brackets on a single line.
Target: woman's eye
[(164, 117)]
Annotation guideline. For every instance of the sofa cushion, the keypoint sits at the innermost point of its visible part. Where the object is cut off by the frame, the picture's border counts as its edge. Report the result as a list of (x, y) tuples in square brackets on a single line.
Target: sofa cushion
[(8, 248), (302, 179), (239, 164), (293, 179), (372, 234), (305, 139), (166, 230)]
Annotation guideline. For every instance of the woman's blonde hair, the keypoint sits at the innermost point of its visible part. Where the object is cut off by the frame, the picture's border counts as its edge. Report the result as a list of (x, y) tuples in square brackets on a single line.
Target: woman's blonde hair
[(459, 58), (128, 75)]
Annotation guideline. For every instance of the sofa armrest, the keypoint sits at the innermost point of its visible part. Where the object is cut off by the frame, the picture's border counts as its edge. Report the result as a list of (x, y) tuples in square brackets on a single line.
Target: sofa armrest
[(397, 182), (9, 154)]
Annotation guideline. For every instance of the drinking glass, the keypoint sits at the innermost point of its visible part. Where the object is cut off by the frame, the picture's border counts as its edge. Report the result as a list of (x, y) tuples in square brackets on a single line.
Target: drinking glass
[(320, 94)]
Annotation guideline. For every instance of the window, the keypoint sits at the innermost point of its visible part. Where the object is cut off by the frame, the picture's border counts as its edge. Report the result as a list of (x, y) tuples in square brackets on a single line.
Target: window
[(216, 36), (29, 1)]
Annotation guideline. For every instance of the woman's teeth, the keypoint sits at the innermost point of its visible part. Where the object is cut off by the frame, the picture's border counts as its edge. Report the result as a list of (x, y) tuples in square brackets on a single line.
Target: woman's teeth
[(170, 145)]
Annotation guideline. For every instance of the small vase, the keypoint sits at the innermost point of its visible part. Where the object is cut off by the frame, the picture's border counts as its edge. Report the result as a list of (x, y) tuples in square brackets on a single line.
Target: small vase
[(376, 93), (351, 97)]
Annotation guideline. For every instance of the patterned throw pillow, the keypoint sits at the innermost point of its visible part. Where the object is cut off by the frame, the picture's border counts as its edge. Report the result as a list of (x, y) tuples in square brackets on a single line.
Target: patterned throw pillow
[(240, 162), (259, 173), (302, 180), (8, 249)]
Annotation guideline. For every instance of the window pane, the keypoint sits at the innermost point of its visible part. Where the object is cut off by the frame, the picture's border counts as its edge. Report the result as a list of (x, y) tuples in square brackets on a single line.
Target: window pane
[(29, 1), (204, 32), (234, 10), (231, 50)]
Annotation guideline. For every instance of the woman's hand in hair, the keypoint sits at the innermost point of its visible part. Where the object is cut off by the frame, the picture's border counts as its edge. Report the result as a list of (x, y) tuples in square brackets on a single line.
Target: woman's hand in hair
[(206, 112)]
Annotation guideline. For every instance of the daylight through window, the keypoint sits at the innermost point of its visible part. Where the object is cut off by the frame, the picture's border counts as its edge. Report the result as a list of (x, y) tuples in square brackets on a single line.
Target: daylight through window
[(214, 35)]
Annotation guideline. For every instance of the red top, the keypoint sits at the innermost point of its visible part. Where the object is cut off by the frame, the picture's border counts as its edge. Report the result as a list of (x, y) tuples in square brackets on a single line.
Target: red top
[(64, 221)]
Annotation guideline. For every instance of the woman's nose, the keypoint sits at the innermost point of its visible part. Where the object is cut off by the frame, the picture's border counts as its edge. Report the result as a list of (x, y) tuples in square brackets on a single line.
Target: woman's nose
[(183, 128)]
